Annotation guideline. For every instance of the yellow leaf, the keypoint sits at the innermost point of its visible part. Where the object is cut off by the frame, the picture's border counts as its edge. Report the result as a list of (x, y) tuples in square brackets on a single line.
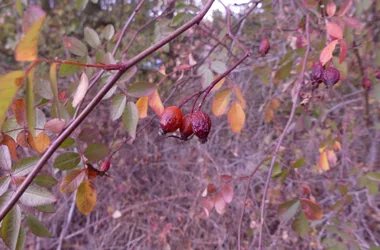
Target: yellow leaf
[(236, 118), (240, 97), (219, 84), (275, 103), (269, 115), (327, 52), (9, 84), (27, 48), (142, 106), (220, 102), (323, 162), (155, 103), (40, 142), (86, 197)]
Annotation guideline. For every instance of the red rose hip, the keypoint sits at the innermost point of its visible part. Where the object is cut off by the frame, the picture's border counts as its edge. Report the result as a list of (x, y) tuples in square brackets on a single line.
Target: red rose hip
[(186, 128), (264, 47), (201, 124), (171, 119)]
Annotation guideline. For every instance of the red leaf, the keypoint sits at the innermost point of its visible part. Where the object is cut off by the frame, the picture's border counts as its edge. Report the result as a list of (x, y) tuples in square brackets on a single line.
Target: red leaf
[(326, 53), (220, 204), (225, 178), (311, 209), (345, 7), (207, 204), (334, 30), (343, 51), (227, 192), (19, 109), (352, 22), (330, 9)]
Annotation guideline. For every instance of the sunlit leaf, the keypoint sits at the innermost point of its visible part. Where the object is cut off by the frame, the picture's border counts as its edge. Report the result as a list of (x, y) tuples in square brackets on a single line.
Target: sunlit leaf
[(24, 166), (10, 83), (155, 103), (130, 119), (86, 197), (220, 102), (142, 106), (301, 225), (327, 52), (95, 152), (236, 118), (334, 30), (36, 227), (117, 106), (288, 209), (10, 227), (81, 90), (140, 89), (35, 196), (323, 162), (72, 180), (67, 160), (91, 37), (311, 209), (27, 48), (74, 46)]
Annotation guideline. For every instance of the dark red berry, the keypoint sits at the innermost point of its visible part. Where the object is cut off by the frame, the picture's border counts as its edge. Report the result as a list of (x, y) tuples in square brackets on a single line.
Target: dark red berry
[(105, 166), (377, 75), (201, 123), (330, 76), (264, 47), (186, 128), (316, 72), (171, 119), (367, 83)]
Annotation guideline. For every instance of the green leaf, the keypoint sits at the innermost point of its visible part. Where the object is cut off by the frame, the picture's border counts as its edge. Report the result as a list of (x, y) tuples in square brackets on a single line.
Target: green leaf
[(21, 239), (11, 125), (58, 110), (69, 69), (108, 32), (67, 160), (97, 151), (48, 208), (117, 106), (374, 248), (178, 18), (299, 163), (140, 89), (301, 225), (131, 118), (5, 158), (88, 134), (288, 209), (35, 196), (19, 7), (43, 89), (44, 180), (219, 67), (4, 184), (91, 37), (72, 180), (74, 46), (67, 143), (25, 166), (36, 227), (10, 227), (8, 88), (207, 78), (283, 72), (375, 176), (276, 170), (372, 187), (81, 4)]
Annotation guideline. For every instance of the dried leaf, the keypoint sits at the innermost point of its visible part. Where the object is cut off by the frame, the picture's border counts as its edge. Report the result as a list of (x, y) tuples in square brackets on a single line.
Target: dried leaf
[(11, 144), (72, 180), (39, 143), (19, 110), (86, 197), (155, 103), (331, 157), (236, 118), (220, 102), (323, 162), (327, 52), (81, 90), (240, 97), (142, 107), (311, 209)]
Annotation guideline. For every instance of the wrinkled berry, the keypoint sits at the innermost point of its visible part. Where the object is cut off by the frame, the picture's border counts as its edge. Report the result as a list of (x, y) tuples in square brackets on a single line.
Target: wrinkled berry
[(367, 83), (264, 47), (330, 76), (316, 72), (377, 75), (171, 119), (201, 124), (186, 128)]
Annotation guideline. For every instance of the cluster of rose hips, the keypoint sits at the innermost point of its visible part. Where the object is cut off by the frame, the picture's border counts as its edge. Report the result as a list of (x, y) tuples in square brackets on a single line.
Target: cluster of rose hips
[(197, 123), (329, 76)]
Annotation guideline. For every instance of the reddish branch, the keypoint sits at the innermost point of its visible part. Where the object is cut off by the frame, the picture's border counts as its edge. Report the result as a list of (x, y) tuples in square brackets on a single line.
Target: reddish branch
[(282, 136), (94, 102)]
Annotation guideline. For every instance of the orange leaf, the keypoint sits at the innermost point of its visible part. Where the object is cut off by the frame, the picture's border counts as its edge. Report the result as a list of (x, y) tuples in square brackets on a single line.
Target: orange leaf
[(240, 97), (22, 139), (11, 144), (19, 109), (345, 7), (311, 209), (334, 30), (327, 52), (275, 103), (269, 115), (323, 162), (331, 157), (330, 9), (219, 84), (220, 102), (343, 51), (86, 197), (142, 106), (27, 48), (40, 142), (155, 103), (236, 118)]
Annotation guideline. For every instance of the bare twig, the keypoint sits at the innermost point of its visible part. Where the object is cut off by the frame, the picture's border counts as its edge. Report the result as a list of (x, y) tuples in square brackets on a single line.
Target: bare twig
[(94, 102), (282, 136)]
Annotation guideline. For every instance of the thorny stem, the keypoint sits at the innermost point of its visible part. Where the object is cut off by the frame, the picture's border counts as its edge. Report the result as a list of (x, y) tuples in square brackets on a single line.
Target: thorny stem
[(94, 102), (282, 136)]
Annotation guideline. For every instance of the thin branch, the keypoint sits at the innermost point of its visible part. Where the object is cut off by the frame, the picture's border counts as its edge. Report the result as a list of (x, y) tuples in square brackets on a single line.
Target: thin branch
[(94, 102), (282, 136)]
